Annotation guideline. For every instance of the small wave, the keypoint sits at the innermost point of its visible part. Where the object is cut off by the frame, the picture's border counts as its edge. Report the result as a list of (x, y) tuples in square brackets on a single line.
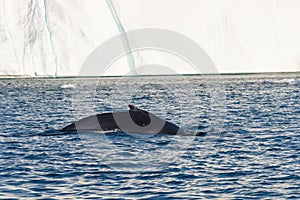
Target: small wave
[(67, 86), (46, 133), (296, 82), (290, 81)]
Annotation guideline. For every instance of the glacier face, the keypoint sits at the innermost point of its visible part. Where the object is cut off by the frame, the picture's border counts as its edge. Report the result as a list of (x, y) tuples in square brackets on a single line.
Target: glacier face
[(55, 37)]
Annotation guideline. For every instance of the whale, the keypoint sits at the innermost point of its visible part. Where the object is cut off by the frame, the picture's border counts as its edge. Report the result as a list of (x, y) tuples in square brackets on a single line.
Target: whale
[(135, 120)]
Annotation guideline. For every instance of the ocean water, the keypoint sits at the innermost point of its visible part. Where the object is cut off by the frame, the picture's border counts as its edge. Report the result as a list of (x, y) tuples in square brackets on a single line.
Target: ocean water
[(250, 151)]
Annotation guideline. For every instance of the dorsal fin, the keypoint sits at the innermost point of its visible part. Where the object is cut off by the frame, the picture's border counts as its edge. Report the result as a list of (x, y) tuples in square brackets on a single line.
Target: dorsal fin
[(133, 107), (139, 116)]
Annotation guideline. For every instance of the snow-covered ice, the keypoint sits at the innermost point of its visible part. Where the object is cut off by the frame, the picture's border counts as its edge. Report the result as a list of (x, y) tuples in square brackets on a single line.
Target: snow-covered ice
[(55, 37)]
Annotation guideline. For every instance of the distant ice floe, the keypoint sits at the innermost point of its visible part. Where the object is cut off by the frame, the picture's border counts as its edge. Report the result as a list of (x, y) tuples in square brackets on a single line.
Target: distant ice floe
[(289, 81), (67, 86)]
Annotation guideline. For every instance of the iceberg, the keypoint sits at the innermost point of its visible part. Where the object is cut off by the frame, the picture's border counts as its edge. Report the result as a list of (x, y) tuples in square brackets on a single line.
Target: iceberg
[(53, 38)]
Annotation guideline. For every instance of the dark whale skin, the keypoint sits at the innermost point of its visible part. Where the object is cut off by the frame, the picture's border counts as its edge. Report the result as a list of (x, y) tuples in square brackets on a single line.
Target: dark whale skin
[(141, 119)]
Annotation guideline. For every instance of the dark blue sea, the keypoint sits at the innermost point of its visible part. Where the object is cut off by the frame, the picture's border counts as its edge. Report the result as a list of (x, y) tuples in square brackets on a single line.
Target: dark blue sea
[(251, 149)]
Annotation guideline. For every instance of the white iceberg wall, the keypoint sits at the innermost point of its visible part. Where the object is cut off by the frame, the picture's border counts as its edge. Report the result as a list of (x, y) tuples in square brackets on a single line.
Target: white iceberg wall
[(239, 36), (54, 37), (27, 43), (49, 37)]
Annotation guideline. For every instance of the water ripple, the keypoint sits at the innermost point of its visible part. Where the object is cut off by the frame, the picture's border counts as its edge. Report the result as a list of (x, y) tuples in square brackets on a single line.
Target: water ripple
[(254, 156)]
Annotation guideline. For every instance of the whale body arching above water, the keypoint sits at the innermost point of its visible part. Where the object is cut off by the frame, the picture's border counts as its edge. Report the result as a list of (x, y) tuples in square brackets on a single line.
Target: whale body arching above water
[(135, 120)]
